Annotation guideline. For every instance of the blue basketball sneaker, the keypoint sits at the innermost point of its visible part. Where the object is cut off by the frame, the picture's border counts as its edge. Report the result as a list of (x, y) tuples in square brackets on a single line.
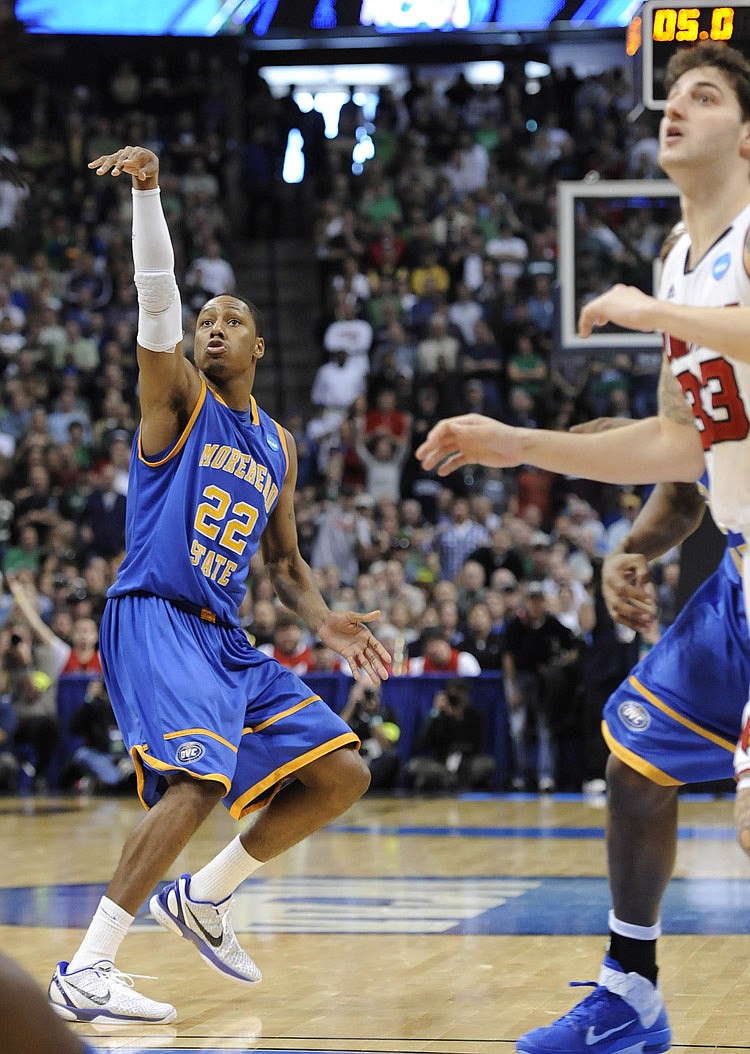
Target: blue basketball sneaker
[(623, 1015)]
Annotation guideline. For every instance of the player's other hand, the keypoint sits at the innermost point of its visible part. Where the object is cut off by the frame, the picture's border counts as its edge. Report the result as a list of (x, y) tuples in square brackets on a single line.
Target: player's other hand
[(625, 305), (345, 632), (628, 591), (136, 161), (471, 439)]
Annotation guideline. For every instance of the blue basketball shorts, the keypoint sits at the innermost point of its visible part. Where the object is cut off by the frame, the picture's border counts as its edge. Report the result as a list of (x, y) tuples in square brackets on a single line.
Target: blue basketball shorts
[(195, 697), (677, 717)]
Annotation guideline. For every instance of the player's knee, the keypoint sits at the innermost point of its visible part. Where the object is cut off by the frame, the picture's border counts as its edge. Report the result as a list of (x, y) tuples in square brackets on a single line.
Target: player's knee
[(361, 783), (338, 779), (353, 776), (632, 794), (201, 794)]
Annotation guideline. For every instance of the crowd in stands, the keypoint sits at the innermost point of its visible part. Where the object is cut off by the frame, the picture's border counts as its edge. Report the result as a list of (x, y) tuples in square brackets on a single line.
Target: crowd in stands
[(437, 271)]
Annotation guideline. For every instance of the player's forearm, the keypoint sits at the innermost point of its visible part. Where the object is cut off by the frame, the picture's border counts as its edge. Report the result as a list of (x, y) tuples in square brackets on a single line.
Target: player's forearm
[(294, 584), (723, 329), (672, 512), (159, 304), (657, 450), (30, 614)]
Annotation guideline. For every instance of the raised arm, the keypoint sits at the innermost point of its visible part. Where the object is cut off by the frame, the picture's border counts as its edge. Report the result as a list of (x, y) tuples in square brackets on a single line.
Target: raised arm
[(25, 603), (26, 606), (666, 448), (168, 384), (293, 581), (722, 329), (656, 449)]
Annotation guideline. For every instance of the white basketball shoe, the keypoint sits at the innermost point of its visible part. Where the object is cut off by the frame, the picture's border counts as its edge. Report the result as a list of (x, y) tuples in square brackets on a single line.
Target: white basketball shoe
[(101, 993), (207, 926)]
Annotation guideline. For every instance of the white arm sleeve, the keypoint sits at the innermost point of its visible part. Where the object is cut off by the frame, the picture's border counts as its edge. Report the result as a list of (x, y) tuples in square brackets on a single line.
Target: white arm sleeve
[(159, 304)]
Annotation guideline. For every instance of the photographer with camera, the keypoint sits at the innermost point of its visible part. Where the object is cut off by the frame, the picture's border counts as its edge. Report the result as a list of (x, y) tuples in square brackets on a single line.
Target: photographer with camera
[(378, 732), (29, 690), (449, 744)]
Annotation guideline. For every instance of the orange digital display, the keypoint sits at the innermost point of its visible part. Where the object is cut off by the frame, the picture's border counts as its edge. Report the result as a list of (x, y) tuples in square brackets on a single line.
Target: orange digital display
[(660, 29), (686, 25)]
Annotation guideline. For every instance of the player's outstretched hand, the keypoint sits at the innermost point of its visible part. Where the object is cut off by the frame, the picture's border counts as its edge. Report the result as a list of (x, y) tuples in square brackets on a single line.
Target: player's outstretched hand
[(628, 591), (345, 633), (136, 161), (624, 305), (471, 439)]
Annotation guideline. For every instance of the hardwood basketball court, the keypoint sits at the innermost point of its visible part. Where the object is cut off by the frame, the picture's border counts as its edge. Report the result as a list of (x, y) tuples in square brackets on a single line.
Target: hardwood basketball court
[(440, 925)]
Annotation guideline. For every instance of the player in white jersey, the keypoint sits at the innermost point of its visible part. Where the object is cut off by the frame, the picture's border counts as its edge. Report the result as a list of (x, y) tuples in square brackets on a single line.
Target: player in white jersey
[(704, 306), (717, 388)]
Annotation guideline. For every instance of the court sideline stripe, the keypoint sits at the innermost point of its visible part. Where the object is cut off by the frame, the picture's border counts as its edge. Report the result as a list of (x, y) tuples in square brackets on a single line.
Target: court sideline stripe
[(697, 833)]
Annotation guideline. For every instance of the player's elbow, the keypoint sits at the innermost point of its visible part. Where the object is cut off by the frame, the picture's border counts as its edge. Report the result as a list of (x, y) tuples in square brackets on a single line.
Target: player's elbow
[(284, 567), (681, 457), (695, 464)]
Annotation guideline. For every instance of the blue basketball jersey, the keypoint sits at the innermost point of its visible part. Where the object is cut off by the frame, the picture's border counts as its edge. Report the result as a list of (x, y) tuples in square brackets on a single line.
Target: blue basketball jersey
[(196, 511)]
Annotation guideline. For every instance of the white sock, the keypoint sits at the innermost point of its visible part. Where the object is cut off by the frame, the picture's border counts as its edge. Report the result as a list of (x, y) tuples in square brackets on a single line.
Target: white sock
[(629, 929), (221, 876), (104, 936)]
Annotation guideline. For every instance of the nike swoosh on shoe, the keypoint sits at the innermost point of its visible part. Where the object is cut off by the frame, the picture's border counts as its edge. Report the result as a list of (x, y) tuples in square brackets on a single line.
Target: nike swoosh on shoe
[(593, 1037), (214, 941), (100, 1000)]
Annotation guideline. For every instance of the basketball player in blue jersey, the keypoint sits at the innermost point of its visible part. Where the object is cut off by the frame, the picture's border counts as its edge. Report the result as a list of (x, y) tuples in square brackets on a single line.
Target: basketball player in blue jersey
[(677, 718), (205, 716)]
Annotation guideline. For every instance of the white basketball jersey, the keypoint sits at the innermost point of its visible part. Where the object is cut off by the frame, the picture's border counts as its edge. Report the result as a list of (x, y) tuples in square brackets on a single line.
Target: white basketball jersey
[(717, 388)]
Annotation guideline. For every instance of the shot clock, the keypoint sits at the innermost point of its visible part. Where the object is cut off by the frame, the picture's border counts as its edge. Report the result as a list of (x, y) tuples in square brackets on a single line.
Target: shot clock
[(660, 28)]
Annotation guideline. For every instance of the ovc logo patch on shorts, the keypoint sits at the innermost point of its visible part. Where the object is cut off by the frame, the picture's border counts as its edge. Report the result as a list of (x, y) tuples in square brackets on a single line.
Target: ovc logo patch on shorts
[(634, 715), (189, 753)]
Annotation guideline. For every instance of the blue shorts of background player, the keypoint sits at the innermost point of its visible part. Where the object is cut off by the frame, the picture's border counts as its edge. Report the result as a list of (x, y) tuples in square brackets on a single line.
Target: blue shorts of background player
[(676, 718)]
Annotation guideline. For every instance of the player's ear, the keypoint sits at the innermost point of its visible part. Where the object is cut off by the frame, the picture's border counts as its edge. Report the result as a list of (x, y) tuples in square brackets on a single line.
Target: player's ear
[(745, 141), (260, 348)]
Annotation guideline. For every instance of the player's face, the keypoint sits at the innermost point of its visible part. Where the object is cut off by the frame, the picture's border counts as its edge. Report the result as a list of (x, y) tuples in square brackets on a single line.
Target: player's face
[(226, 344), (702, 122)]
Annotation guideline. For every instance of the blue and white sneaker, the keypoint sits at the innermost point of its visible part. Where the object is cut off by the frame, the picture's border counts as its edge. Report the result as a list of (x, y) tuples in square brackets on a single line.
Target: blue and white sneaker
[(207, 926), (100, 993), (623, 1015)]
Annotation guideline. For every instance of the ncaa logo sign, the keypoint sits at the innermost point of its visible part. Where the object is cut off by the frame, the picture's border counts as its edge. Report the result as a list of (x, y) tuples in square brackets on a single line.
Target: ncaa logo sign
[(721, 266), (635, 716), (190, 753)]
